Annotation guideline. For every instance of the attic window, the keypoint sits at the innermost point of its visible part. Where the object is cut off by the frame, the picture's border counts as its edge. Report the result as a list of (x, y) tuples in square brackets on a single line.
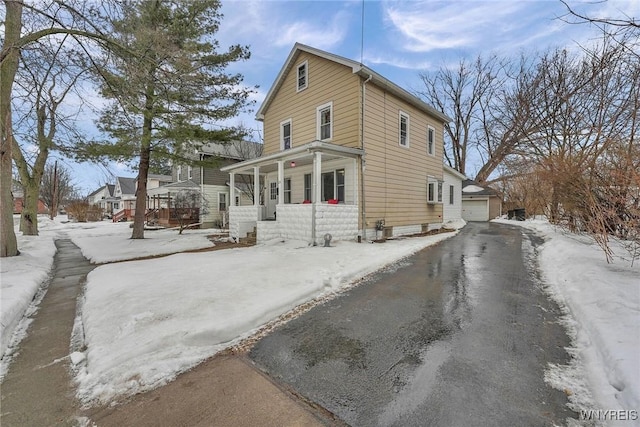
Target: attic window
[(302, 76)]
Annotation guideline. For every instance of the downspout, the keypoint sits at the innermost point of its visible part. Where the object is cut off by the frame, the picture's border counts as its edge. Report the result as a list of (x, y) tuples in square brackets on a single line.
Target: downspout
[(362, 160), (201, 157)]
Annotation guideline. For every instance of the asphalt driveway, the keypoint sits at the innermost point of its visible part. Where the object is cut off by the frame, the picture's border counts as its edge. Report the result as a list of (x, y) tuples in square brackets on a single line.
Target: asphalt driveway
[(458, 334)]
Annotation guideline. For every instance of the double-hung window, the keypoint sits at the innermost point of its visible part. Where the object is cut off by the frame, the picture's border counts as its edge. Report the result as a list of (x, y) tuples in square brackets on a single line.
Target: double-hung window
[(285, 135), (222, 201), (324, 122), (287, 190), (307, 186), (451, 194), (302, 80), (333, 185), (434, 190), (403, 122), (431, 141)]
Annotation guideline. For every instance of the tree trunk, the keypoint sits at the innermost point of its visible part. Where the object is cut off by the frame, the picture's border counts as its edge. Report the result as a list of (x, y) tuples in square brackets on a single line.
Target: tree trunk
[(29, 216), (8, 69), (143, 169)]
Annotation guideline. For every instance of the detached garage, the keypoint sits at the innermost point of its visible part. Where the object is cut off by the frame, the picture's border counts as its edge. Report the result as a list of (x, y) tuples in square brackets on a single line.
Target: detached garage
[(479, 203)]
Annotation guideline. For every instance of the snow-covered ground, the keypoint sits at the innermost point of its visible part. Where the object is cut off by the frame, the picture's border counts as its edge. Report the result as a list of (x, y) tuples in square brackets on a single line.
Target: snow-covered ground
[(147, 320)]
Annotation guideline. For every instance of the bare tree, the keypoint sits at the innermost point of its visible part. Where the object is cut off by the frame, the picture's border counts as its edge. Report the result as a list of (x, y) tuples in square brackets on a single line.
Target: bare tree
[(57, 18), (48, 74), (462, 93), (189, 206), (56, 187)]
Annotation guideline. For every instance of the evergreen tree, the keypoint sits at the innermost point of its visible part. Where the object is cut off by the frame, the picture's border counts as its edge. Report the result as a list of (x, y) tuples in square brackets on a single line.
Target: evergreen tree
[(168, 87)]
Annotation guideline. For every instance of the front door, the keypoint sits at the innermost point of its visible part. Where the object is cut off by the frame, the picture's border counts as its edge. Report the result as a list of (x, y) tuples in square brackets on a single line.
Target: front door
[(272, 199)]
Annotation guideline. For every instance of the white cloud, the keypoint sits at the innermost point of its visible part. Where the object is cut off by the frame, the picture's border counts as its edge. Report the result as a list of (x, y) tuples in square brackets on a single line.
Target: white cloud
[(400, 62), (317, 34), (428, 26)]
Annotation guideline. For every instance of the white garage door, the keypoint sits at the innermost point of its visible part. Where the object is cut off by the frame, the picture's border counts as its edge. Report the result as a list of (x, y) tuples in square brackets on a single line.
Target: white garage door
[(475, 210)]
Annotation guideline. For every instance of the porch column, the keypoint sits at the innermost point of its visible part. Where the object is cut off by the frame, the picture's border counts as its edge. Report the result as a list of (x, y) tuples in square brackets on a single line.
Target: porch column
[(355, 182), (316, 177), (232, 189), (280, 182), (256, 186)]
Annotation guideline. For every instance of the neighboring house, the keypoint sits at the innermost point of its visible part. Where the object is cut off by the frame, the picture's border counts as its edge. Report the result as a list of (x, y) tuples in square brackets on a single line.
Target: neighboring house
[(105, 199), (480, 203), (18, 199), (209, 180), (125, 194), (346, 152), (452, 194)]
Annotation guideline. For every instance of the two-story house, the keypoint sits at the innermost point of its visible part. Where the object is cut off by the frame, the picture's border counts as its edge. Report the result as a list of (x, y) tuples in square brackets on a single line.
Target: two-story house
[(207, 179), (346, 152)]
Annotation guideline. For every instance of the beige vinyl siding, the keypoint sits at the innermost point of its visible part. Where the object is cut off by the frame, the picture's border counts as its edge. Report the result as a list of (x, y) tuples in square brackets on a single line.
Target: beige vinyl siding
[(396, 176), (327, 82)]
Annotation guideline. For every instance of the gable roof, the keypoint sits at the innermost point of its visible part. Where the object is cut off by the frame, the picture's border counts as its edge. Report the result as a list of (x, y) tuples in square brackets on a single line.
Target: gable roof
[(127, 185), (356, 68), (236, 150), (472, 188)]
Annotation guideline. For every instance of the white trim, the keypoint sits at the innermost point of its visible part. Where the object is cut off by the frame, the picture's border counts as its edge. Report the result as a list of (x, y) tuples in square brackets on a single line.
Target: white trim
[(319, 110), (431, 144), (282, 124), (401, 115), (304, 64)]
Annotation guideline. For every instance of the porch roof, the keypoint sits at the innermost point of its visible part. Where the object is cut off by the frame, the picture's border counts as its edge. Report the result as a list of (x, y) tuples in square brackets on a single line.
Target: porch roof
[(174, 187), (269, 163)]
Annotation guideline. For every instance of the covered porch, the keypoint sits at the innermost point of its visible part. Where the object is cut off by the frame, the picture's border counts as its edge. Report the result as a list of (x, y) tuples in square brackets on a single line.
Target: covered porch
[(305, 193), (161, 210)]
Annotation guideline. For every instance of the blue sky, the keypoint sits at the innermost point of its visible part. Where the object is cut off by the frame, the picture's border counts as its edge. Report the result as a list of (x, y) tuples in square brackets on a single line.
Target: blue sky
[(399, 40)]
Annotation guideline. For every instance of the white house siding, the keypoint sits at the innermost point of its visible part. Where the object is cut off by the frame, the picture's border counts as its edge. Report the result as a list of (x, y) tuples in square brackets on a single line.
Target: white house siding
[(451, 212), (210, 194)]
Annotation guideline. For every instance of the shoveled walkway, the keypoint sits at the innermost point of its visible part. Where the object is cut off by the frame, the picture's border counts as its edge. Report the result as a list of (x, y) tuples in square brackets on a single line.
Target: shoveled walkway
[(223, 391), (37, 390)]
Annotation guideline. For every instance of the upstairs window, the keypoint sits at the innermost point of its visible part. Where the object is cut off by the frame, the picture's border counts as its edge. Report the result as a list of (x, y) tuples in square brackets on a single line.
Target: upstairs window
[(325, 122), (285, 135), (189, 172), (178, 173), (302, 76), (404, 129), (431, 141)]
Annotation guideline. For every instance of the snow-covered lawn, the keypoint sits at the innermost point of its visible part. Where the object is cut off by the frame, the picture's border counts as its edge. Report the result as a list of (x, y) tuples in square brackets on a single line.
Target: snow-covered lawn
[(147, 320)]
